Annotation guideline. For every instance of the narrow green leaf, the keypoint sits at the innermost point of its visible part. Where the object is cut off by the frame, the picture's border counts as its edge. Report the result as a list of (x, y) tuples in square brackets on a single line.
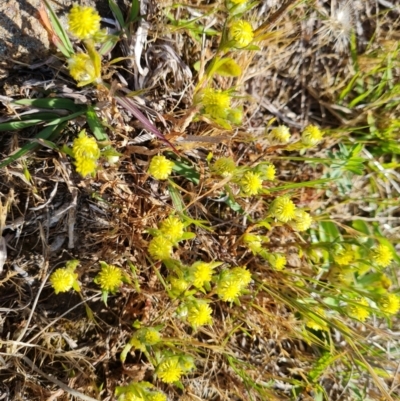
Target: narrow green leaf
[(117, 13), (51, 103), (13, 125), (60, 120), (135, 9), (95, 125), (328, 231), (66, 47), (47, 133)]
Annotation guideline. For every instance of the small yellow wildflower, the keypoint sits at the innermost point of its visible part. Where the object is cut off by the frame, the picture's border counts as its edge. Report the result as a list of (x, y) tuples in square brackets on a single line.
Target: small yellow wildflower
[(382, 255), (235, 116), (268, 172), (315, 322), (82, 69), (358, 310), (178, 285), (241, 32), (151, 336), (110, 277), (160, 248), (242, 275), (202, 273), (169, 371), (224, 166), (302, 220), (250, 183), (344, 256), (389, 304), (86, 166), (85, 147), (160, 167), (231, 283), (311, 135), (277, 261), (156, 396), (338, 274), (216, 103), (83, 22), (199, 314), (172, 228), (283, 209), (280, 134), (62, 280)]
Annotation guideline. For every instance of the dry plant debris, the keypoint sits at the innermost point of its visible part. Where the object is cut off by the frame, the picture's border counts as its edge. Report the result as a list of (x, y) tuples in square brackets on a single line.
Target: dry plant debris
[(199, 201)]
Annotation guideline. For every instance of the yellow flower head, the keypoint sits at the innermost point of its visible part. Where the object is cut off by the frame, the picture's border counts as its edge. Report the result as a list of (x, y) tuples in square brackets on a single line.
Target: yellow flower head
[(156, 396), (283, 209), (160, 248), (85, 146), (160, 167), (86, 166), (224, 166), (202, 273), (358, 309), (338, 274), (389, 304), (302, 220), (315, 322), (250, 183), (178, 285), (62, 280), (241, 275), (110, 277), (151, 336), (231, 283), (169, 371), (82, 69), (216, 103), (172, 228), (199, 314), (311, 135), (235, 116), (382, 255), (83, 22), (280, 134), (344, 256), (241, 32), (277, 261), (267, 171)]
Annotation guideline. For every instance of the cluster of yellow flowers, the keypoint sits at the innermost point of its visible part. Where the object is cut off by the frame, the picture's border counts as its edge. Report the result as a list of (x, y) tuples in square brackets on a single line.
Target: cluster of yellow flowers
[(86, 153), (232, 282), (64, 279), (84, 24), (310, 136)]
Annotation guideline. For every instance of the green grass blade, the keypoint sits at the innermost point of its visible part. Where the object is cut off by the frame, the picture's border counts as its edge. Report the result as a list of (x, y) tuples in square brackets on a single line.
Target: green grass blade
[(51, 103), (67, 118), (95, 125), (117, 13), (135, 9), (45, 134), (13, 125), (65, 46)]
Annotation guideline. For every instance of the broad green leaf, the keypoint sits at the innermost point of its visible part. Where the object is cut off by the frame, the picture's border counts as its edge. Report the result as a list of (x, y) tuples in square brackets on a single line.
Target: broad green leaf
[(328, 231), (187, 171)]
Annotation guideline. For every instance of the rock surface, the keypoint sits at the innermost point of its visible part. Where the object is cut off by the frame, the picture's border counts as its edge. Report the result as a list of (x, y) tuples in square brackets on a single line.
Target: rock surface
[(22, 37)]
